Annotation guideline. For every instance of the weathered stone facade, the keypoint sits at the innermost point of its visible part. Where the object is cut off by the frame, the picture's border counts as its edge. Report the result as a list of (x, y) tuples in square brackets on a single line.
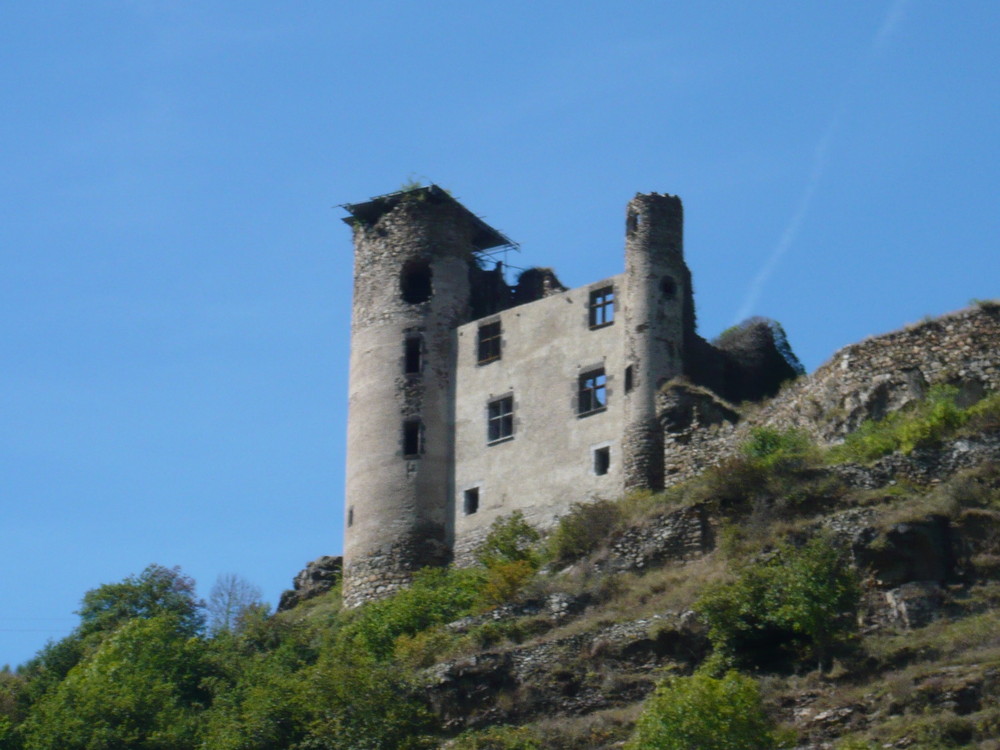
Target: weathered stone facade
[(863, 381), (471, 398)]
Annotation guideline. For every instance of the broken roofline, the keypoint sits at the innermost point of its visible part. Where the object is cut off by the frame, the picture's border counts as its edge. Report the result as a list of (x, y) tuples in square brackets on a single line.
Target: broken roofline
[(486, 237)]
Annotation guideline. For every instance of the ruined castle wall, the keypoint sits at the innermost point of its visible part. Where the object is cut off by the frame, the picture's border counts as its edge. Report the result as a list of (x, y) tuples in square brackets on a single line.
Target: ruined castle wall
[(865, 380), (548, 463)]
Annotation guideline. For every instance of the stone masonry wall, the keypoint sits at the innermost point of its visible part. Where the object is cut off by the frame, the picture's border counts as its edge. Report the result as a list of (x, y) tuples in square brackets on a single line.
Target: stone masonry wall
[(865, 380)]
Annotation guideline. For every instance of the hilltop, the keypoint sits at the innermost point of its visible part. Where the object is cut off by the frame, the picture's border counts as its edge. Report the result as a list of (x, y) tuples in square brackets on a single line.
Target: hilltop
[(827, 561)]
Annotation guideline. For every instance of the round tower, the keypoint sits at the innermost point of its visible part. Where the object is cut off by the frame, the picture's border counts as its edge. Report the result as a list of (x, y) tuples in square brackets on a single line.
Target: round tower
[(412, 254), (659, 318)]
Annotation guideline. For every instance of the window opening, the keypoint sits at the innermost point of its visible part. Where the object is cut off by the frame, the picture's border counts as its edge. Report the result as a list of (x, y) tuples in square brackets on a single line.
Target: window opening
[(593, 391), (415, 282), (350, 516), (629, 379), (669, 287), (471, 501), (500, 419), (413, 438), (602, 307), (602, 460), (413, 357), (489, 343), (632, 222)]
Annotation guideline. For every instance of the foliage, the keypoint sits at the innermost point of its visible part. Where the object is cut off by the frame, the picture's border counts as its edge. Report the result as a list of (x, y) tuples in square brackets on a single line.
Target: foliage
[(436, 596), (231, 596), (923, 424), (498, 738), (795, 602), (140, 689), (363, 704), (154, 592), (584, 529), (509, 539), (704, 712), (771, 448), (503, 581)]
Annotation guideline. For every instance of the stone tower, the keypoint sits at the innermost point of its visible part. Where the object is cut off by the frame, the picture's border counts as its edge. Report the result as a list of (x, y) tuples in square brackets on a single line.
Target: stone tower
[(659, 320), (413, 254)]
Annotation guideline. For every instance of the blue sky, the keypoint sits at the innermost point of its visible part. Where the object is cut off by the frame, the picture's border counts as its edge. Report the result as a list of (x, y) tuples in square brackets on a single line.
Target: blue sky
[(175, 285)]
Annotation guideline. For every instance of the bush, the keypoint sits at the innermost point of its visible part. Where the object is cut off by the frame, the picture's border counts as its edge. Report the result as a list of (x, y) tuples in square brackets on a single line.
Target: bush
[(584, 529), (504, 580), (706, 713), (771, 448), (498, 738), (436, 596), (923, 424), (510, 538), (797, 602)]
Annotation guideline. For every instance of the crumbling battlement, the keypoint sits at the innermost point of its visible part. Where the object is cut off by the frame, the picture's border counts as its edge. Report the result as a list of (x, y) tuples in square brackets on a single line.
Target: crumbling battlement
[(862, 381)]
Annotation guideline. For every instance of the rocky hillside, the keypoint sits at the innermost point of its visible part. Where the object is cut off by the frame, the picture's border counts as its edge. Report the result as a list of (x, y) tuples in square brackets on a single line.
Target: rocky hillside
[(824, 577)]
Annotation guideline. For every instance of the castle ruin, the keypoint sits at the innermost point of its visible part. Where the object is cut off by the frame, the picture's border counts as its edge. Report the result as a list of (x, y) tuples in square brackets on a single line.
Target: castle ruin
[(471, 398)]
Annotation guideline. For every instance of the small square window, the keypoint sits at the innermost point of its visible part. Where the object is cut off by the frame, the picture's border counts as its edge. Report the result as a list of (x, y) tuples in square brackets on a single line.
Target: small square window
[(413, 355), (500, 420), (593, 392), (471, 501), (489, 343), (602, 460), (602, 307), (413, 438)]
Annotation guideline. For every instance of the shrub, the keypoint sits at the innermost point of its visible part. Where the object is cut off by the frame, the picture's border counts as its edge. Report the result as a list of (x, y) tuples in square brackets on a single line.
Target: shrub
[(504, 580), (770, 448), (706, 713), (796, 602), (584, 529), (498, 738), (436, 596), (510, 538), (923, 424)]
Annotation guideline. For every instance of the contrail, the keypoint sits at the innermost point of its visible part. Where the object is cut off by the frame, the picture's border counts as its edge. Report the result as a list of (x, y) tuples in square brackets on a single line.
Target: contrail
[(889, 23)]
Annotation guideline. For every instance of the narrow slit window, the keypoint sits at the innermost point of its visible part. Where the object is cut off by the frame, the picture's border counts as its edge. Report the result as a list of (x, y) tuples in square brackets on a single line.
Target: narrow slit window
[(350, 516), (602, 307), (489, 343), (629, 378), (470, 503), (602, 460), (413, 438), (500, 420), (593, 392), (413, 355)]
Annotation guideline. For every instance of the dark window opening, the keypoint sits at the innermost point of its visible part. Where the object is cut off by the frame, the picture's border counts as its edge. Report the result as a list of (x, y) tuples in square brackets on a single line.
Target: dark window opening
[(669, 287), (602, 307), (413, 355), (602, 460), (500, 419), (471, 501), (629, 379), (593, 394), (350, 517), (632, 222), (489, 343), (415, 282), (413, 438)]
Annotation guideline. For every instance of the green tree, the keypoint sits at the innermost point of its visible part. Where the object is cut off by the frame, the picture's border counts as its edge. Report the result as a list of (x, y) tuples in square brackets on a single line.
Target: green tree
[(798, 601), (156, 591), (141, 689), (706, 713)]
